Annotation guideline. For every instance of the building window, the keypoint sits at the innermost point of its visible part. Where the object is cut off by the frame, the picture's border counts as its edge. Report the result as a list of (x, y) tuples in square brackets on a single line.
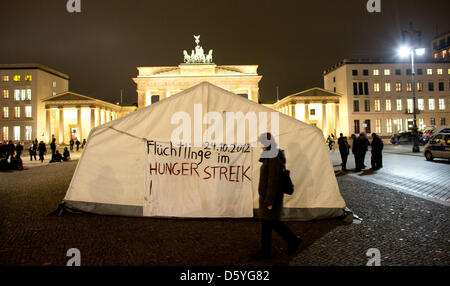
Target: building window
[(355, 105), (5, 112), (367, 126), (398, 87), (23, 94), (376, 72), (5, 94), (419, 86), (367, 105), (357, 127), (377, 105), (439, 71), (28, 77), (399, 104), (5, 78), (360, 85), (432, 121), (28, 112), (398, 72), (443, 121), (399, 123), (312, 112), (376, 87), (17, 112), (366, 88), (409, 86), (16, 78), (408, 72), (421, 104), (448, 71), (334, 79), (420, 71), (389, 125), (334, 89), (17, 94), (429, 71), (388, 105), (355, 88), (28, 94), (366, 72), (387, 87), (28, 133), (441, 86), (5, 136), (54, 93), (354, 72), (378, 126), (431, 105), (387, 72), (431, 86), (441, 104), (54, 84), (421, 124), (410, 105), (16, 133)]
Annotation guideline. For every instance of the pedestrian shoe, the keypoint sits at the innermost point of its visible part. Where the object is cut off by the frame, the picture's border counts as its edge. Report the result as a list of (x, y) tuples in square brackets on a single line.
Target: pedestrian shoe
[(261, 255), (293, 246)]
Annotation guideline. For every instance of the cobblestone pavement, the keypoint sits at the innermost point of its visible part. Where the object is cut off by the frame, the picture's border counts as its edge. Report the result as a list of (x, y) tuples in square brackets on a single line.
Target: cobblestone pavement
[(405, 171), (407, 230)]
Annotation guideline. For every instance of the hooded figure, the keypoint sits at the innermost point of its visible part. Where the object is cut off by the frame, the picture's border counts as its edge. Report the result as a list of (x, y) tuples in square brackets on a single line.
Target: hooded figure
[(271, 199)]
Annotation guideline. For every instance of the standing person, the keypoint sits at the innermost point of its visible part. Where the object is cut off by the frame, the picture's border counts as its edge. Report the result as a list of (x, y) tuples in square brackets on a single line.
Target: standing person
[(84, 143), (19, 149), (78, 144), (271, 201), (42, 150), (31, 151), (53, 148), (361, 150), (377, 152), (344, 150), (71, 144), (10, 149), (330, 141)]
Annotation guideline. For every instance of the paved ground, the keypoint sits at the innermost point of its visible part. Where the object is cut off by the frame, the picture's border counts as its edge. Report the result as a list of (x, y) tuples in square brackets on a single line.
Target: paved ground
[(407, 172), (27, 163), (408, 230)]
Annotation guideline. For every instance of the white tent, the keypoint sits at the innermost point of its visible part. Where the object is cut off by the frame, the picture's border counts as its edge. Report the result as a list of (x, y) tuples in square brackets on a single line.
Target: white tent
[(129, 166)]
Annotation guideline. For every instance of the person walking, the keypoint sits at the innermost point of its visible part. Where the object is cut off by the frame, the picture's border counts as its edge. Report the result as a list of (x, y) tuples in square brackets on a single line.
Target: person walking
[(42, 150), (78, 144), (83, 144), (361, 150), (53, 148), (31, 151), (71, 144), (377, 152), (271, 201), (343, 150)]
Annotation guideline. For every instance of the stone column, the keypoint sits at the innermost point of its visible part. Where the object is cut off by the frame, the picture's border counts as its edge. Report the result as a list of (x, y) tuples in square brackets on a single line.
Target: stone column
[(307, 112), (47, 123), (293, 110), (336, 118), (61, 125), (324, 118), (92, 126), (79, 124)]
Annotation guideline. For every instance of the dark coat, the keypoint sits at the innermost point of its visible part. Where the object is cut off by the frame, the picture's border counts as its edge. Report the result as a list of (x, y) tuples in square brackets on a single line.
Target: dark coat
[(42, 149), (377, 145), (269, 187)]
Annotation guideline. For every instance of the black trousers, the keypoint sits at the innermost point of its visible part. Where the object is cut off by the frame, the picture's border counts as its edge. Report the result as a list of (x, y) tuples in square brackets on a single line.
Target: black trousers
[(266, 234), (344, 157), (377, 160)]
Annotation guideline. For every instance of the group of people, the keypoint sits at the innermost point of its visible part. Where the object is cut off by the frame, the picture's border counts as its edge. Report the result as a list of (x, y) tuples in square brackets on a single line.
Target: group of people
[(359, 149), (10, 156), (77, 143)]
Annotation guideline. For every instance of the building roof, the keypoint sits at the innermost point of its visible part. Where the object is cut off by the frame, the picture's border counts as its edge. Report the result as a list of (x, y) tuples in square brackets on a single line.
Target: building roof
[(310, 94), (192, 70), (72, 97), (368, 61), (33, 66)]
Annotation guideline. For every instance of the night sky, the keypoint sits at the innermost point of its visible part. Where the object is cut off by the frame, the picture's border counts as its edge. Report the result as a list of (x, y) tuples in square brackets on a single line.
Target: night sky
[(291, 41)]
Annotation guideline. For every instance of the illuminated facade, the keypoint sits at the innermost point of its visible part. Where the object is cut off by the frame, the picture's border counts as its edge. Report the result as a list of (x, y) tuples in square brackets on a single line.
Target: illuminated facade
[(158, 83), (22, 88), (440, 47), (71, 115), (314, 106)]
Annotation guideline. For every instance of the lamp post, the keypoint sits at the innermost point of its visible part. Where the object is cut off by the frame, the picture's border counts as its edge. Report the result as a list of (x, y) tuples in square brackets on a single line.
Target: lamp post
[(411, 50)]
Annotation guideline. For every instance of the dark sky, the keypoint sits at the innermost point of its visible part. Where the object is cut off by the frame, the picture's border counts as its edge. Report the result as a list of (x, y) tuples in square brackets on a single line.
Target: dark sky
[(292, 41)]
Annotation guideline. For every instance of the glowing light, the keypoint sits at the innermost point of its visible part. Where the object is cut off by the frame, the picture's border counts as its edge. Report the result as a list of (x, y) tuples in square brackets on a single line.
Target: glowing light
[(420, 52), (404, 51)]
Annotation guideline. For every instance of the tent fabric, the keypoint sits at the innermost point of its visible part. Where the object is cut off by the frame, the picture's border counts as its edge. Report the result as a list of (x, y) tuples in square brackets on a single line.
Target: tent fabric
[(111, 176)]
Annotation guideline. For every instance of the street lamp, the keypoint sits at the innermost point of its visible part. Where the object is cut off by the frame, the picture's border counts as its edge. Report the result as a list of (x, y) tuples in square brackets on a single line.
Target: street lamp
[(411, 51)]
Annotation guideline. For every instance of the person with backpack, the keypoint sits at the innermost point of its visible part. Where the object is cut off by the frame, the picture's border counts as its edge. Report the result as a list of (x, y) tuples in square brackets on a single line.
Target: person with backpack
[(271, 184)]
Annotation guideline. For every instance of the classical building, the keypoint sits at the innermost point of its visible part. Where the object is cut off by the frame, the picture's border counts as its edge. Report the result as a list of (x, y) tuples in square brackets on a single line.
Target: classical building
[(377, 95), (71, 115), (22, 88), (158, 83), (440, 47), (314, 106)]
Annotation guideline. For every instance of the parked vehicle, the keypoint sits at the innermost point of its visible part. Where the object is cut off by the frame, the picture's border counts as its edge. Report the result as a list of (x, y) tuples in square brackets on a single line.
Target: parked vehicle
[(438, 147), (404, 138), (432, 131)]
